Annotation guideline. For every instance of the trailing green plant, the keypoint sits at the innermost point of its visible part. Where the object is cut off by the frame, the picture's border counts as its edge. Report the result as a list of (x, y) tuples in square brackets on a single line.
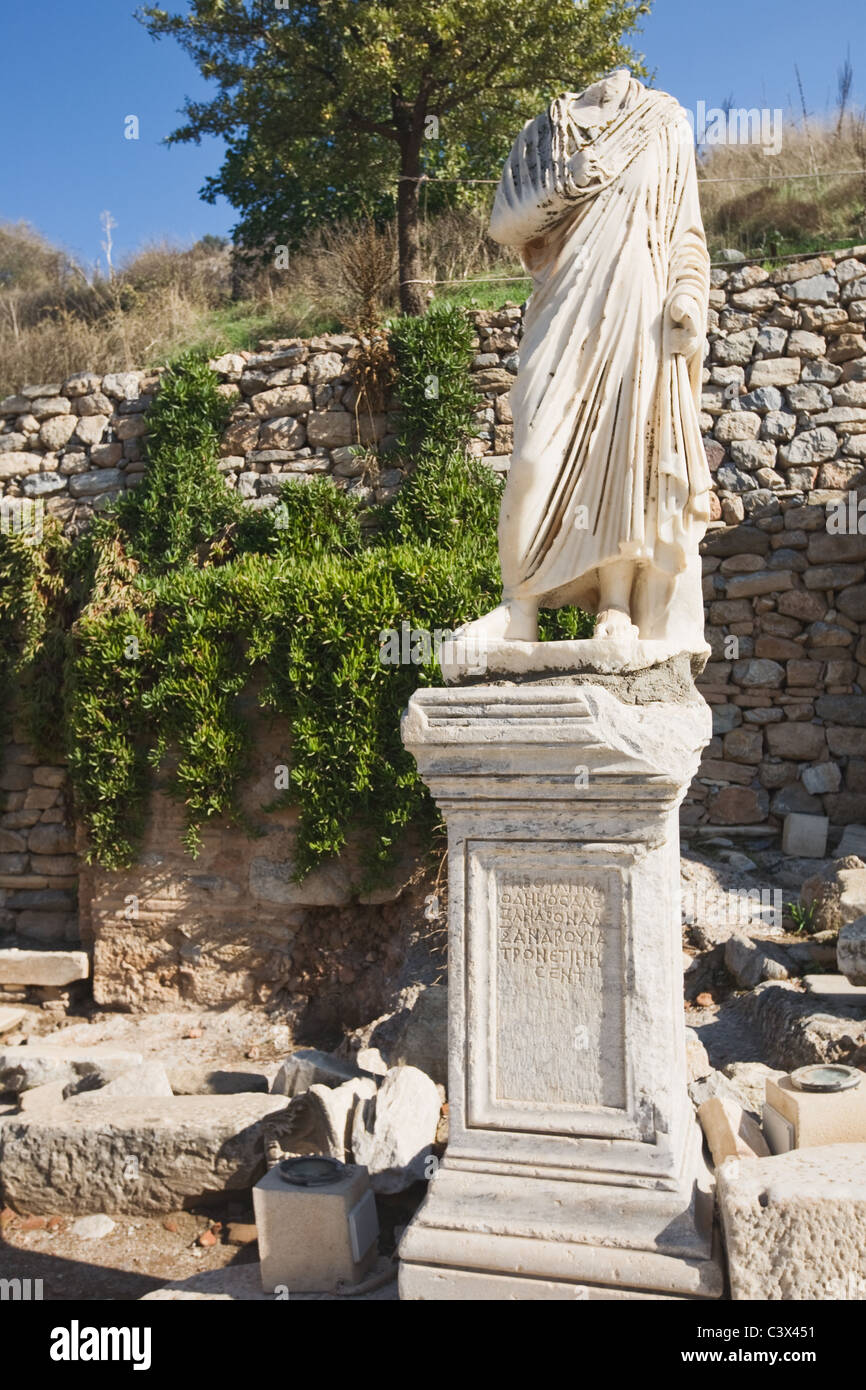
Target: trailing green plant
[(156, 623), (36, 600)]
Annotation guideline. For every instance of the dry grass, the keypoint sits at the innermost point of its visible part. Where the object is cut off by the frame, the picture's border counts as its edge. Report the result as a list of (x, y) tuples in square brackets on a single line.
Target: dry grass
[(350, 269), (55, 320), (771, 210)]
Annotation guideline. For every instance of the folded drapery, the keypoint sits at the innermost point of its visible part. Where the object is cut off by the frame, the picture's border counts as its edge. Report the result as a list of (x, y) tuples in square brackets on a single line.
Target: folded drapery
[(608, 462)]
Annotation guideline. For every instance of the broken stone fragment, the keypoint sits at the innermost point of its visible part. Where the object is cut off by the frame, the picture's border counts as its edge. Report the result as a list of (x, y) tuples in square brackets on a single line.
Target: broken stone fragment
[(370, 1059), (10, 1018), (751, 961), (37, 1063), (394, 1130), (319, 1119), (851, 951), (838, 895), (309, 1067), (424, 1039), (795, 1224), (730, 1131), (713, 1084), (749, 1081), (697, 1061), (92, 1227)]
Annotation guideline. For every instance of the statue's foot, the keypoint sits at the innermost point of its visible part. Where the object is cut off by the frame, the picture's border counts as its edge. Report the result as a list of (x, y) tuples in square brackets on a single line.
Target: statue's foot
[(512, 621), (615, 625)]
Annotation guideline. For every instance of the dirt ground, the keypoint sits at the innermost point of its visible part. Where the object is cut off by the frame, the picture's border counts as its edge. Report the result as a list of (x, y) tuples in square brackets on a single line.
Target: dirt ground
[(144, 1253)]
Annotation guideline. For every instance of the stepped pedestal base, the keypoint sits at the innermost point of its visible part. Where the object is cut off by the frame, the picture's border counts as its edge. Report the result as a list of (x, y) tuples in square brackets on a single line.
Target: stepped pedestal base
[(573, 1167)]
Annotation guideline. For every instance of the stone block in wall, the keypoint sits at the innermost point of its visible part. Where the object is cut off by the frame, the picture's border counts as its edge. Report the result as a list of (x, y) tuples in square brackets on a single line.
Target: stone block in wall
[(128, 427), (284, 432), (122, 386), (799, 741), (283, 400), (90, 484), (774, 371), (43, 484), (81, 384), (43, 407), (19, 465), (56, 432)]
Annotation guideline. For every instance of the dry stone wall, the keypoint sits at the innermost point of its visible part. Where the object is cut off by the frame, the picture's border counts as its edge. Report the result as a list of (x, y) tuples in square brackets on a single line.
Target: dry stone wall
[(784, 417), (784, 420)]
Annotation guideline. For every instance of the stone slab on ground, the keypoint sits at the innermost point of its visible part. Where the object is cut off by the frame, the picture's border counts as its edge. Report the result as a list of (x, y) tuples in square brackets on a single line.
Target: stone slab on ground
[(242, 1283), (836, 987), (42, 1099), (133, 1155), (795, 1224), (148, 1080), (42, 967), (39, 1063)]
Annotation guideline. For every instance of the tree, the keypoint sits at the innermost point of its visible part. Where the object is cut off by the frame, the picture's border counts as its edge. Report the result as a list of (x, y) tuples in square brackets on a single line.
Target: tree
[(340, 107)]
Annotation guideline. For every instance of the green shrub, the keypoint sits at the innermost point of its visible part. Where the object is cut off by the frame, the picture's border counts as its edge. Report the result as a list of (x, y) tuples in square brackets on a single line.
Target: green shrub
[(139, 641)]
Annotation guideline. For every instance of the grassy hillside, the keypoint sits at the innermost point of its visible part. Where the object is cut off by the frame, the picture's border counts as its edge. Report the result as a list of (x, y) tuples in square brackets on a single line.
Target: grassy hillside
[(55, 319)]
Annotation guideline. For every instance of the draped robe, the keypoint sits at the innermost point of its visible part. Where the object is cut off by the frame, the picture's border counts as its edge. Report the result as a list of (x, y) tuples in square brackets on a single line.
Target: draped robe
[(608, 462)]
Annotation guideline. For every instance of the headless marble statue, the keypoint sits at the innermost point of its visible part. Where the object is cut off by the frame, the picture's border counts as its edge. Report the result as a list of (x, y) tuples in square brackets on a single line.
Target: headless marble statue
[(608, 491)]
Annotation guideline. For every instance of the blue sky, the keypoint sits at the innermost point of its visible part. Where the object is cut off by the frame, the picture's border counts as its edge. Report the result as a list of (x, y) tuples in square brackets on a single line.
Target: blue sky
[(73, 72)]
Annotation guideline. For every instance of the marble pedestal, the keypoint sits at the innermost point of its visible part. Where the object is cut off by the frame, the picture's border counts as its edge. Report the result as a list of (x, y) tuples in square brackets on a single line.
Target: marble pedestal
[(574, 1165)]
